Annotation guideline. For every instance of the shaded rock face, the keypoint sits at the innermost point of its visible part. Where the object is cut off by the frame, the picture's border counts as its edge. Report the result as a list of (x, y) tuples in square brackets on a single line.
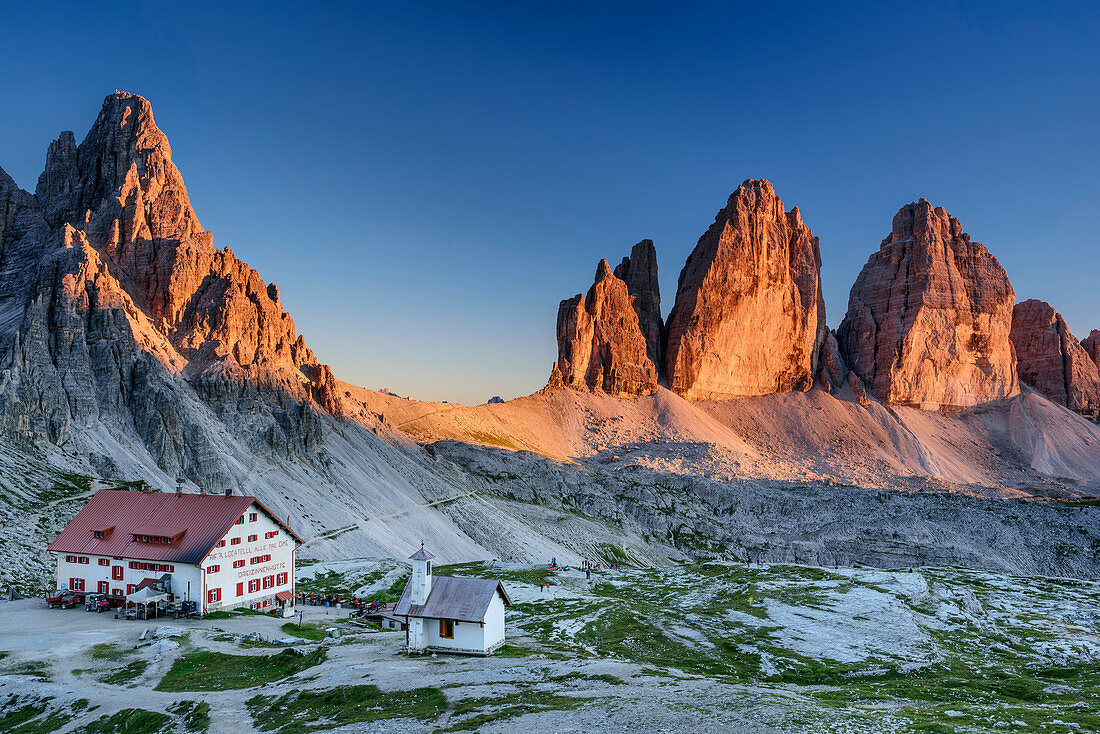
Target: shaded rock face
[(832, 372), (749, 317), (115, 307), (639, 272), (1091, 345), (929, 317), (601, 345), (1052, 361)]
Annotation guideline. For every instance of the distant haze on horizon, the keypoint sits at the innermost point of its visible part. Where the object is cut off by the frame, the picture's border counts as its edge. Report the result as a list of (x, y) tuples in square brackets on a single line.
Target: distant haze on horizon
[(426, 182)]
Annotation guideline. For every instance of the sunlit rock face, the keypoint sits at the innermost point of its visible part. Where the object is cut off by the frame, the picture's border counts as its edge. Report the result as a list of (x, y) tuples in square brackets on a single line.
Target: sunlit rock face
[(601, 344), (116, 309), (1051, 360), (929, 317), (122, 191), (749, 317)]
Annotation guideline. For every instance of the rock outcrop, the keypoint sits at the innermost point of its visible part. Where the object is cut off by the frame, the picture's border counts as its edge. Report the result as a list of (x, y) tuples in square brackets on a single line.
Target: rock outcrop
[(116, 309), (1091, 345), (749, 317), (929, 317), (639, 272), (122, 190), (832, 372), (601, 345), (1051, 360)]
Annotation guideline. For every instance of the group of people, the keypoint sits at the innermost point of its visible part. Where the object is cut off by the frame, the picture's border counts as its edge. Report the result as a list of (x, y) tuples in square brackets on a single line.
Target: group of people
[(586, 566), (329, 600)]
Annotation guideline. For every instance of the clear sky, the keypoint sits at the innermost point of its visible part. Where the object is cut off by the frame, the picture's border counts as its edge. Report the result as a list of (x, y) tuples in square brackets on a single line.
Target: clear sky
[(425, 181)]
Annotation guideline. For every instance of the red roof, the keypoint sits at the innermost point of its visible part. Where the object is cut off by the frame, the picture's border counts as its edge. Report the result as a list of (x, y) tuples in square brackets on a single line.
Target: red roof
[(204, 519), (284, 595)]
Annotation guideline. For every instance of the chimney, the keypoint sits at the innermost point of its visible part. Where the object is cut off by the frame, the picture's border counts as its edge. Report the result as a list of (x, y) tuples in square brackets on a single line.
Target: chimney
[(179, 486), (228, 491)]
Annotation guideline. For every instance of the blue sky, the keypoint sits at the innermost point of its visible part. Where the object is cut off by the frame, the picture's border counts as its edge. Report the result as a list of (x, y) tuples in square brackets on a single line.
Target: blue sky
[(426, 181)]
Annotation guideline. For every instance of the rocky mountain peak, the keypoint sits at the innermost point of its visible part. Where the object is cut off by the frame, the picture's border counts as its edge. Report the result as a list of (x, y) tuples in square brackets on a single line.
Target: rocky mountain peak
[(601, 342), (1051, 360), (123, 163), (929, 316), (1091, 345), (749, 317), (114, 292), (639, 272)]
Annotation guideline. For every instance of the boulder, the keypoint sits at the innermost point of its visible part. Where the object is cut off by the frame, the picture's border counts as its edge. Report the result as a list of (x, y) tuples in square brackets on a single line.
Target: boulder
[(929, 317), (1052, 361), (749, 317)]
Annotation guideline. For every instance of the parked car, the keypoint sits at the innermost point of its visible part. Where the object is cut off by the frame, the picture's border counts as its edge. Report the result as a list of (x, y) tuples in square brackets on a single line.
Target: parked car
[(63, 599), (97, 603)]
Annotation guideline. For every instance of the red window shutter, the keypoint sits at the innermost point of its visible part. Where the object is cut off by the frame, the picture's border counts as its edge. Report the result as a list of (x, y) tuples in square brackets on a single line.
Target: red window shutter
[(103, 586), (116, 573), (240, 588)]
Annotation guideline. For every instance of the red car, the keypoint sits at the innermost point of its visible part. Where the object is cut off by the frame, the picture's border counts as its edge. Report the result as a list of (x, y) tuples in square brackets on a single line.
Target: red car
[(64, 599), (97, 603)]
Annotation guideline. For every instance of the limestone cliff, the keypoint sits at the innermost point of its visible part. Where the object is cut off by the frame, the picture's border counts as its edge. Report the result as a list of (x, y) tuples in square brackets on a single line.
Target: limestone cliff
[(601, 344), (929, 316), (117, 309), (1051, 360), (749, 317)]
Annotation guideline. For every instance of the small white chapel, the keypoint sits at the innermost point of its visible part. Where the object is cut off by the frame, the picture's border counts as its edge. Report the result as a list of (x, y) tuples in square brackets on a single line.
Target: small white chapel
[(451, 614)]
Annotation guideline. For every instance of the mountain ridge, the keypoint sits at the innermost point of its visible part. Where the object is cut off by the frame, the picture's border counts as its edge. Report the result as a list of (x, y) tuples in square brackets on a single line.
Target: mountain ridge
[(132, 349)]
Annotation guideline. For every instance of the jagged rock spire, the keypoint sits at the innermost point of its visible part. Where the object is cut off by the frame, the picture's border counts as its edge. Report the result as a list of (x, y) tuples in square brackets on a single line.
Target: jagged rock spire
[(639, 272), (749, 317), (601, 343), (1051, 360)]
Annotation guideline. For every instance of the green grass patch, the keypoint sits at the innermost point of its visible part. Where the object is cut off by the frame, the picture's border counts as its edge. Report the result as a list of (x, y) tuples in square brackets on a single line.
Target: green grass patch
[(305, 711), (195, 715), (392, 594), (108, 651), (126, 674), (597, 677), (344, 583), (304, 631), (38, 669), (514, 651), (29, 716), (490, 710), (477, 569), (215, 671), (131, 721)]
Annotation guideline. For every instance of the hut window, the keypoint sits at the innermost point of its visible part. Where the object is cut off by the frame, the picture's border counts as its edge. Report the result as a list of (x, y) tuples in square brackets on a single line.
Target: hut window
[(447, 629)]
